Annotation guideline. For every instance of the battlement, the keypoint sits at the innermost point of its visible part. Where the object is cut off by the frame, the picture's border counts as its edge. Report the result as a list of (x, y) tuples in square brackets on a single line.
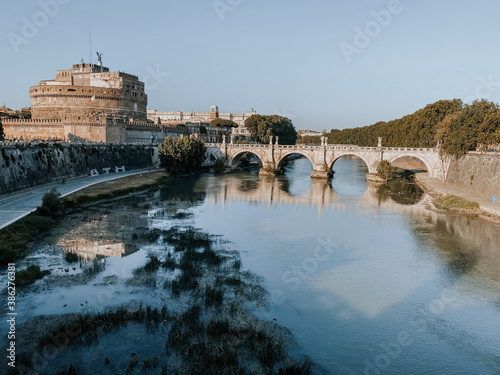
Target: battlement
[(12, 121)]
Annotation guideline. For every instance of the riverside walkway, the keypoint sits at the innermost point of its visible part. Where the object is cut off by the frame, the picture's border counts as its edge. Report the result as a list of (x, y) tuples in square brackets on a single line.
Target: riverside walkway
[(17, 205)]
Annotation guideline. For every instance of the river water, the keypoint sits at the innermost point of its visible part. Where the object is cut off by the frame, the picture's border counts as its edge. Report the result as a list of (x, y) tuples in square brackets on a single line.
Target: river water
[(366, 284), (367, 279)]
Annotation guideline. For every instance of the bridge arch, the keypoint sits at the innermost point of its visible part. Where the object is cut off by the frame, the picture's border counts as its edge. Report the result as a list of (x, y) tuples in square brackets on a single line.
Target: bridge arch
[(353, 153), (279, 163), (419, 157), (235, 158), (211, 156)]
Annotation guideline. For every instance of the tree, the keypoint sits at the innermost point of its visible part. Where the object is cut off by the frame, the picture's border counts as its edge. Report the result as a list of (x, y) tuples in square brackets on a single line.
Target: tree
[(489, 131), (219, 165), (262, 127), (183, 155), (415, 130), (463, 131), (385, 170), (221, 123)]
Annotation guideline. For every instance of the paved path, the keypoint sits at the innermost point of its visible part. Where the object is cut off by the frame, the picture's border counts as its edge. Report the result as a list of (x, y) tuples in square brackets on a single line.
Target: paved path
[(15, 206), (442, 188)]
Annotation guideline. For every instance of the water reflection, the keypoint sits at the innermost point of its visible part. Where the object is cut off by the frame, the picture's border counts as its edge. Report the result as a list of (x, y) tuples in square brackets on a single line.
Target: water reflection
[(376, 264), (401, 191), (467, 247), (190, 189), (90, 250), (279, 190)]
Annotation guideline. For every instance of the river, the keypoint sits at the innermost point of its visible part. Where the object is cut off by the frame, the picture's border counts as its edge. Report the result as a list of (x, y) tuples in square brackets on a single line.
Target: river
[(367, 281)]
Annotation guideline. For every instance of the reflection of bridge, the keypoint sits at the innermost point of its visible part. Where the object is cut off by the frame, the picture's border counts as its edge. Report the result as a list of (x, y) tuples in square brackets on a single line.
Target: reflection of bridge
[(323, 157), (271, 191), (458, 238)]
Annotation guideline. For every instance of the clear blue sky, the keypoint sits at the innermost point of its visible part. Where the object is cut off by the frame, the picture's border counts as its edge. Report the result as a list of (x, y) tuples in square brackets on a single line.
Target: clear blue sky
[(277, 56)]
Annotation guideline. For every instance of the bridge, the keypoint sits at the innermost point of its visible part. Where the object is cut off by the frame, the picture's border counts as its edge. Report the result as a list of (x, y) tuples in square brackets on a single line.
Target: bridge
[(323, 157)]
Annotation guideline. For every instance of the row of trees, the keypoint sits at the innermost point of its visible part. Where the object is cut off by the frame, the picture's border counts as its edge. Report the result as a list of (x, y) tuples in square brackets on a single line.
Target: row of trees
[(456, 126), (416, 130)]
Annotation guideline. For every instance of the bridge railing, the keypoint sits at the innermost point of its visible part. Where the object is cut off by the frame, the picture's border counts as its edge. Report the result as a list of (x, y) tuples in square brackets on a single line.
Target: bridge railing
[(328, 147)]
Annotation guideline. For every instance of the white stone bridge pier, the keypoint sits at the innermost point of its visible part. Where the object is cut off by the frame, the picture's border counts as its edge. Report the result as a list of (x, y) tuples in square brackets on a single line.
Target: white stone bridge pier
[(324, 156)]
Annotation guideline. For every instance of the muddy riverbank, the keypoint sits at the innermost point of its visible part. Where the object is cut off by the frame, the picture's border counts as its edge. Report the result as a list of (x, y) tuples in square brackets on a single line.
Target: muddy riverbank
[(171, 297)]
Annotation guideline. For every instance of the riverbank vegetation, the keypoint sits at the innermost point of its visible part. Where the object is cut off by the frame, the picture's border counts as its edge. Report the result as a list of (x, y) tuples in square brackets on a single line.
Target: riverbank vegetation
[(385, 170), (456, 126), (452, 202), (207, 327)]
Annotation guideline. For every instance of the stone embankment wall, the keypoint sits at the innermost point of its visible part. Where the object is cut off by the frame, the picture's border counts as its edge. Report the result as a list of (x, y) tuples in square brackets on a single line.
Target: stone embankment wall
[(24, 165), (477, 173)]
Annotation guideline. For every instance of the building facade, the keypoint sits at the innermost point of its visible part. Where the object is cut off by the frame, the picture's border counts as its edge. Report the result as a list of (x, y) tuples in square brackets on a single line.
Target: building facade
[(88, 103), (178, 117), (89, 92), (84, 103)]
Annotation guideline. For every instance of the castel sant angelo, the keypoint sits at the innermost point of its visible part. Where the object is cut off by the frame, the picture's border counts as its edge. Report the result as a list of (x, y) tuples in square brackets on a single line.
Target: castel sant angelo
[(91, 104)]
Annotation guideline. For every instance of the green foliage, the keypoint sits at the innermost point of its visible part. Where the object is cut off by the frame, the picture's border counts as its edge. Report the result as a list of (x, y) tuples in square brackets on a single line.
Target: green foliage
[(461, 131), (489, 132), (183, 155), (452, 202), (220, 165), (262, 127), (52, 203), (310, 140), (385, 170), (457, 127), (203, 129), (30, 275), (415, 130), (242, 142), (223, 123)]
